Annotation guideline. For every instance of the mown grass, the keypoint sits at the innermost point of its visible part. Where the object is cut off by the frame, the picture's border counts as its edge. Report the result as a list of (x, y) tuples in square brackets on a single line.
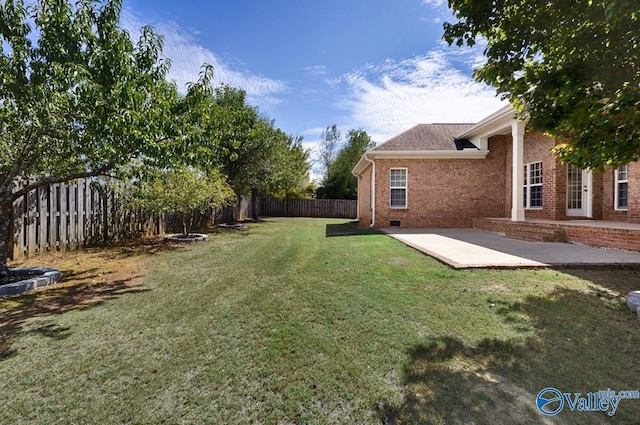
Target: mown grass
[(310, 321)]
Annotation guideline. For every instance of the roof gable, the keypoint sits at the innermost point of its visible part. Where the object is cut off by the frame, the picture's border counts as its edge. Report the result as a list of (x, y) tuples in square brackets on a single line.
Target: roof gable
[(425, 137)]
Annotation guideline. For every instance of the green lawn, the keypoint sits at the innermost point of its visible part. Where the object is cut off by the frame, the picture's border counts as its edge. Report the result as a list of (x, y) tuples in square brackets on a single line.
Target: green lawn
[(303, 321)]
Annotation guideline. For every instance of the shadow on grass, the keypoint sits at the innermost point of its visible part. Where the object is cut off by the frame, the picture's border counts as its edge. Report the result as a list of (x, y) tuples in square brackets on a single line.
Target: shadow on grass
[(616, 283), (351, 228), (142, 246), (86, 283), (581, 343), (54, 301)]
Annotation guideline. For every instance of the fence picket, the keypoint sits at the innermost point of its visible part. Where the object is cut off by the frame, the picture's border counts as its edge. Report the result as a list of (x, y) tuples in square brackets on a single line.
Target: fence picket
[(68, 216), (81, 200), (325, 208), (64, 217), (31, 217), (43, 216), (52, 215)]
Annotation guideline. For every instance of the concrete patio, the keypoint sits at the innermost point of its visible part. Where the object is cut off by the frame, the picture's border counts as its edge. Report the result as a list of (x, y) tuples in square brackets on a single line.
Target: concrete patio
[(472, 248)]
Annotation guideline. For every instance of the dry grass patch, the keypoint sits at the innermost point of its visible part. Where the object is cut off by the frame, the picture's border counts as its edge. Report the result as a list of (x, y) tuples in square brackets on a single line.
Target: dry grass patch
[(90, 277)]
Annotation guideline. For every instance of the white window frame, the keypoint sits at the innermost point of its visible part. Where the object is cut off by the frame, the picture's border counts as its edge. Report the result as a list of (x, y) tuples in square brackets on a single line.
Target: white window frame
[(527, 184), (618, 181), (405, 188)]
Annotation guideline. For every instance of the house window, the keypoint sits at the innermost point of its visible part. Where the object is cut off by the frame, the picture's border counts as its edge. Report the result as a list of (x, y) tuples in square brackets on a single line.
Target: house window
[(621, 187), (398, 179), (533, 185)]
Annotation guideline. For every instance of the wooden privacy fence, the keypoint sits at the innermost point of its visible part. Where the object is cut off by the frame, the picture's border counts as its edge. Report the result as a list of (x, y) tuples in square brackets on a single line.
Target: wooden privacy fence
[(319, 208), (66, 216)]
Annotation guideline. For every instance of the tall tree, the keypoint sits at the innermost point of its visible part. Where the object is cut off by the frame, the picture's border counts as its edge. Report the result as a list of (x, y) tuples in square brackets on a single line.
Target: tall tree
[(341, 183), (291, 178), (257, 158), (328, 148), (571, 66), (183, 191), (77, 97)]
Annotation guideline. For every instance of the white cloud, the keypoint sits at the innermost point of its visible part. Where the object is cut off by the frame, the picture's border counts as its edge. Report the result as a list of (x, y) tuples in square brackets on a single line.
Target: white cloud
[(388, 98), (187, 57), (433, 3), (316, 70)]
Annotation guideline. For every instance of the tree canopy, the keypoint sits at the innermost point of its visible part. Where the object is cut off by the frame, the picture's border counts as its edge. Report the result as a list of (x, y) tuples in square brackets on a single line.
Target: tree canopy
[(328, 148), (256, 157), (183, 191), (79, 98), (572, 67), (341, 183)]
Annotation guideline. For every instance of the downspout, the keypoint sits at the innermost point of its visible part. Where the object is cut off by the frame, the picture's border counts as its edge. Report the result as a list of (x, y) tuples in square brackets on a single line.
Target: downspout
[(373, 189)]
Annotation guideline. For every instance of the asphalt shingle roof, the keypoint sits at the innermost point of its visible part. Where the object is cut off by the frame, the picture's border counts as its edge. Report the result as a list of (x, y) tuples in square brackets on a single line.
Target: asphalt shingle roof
[(425, 137)]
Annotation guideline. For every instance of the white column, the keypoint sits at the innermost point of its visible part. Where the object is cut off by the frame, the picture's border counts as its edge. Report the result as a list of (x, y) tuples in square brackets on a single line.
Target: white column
[(484, 144), (517, 181)]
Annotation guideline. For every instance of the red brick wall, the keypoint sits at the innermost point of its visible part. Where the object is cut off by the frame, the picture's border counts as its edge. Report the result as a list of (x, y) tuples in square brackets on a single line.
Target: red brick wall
[(537, 147), (560, 191), (506, 143), (597, 190), (608, 198), (444, 192), (452, 192), (364, 198), (622, 239)]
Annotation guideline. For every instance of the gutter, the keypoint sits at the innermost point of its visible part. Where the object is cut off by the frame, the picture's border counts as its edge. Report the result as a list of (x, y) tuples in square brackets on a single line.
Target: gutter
[(438, 154)]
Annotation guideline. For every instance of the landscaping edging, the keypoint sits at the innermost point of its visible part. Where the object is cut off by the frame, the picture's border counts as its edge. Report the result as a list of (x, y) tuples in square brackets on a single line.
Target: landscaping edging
[(34, 278), (633, 301), (193, 237)]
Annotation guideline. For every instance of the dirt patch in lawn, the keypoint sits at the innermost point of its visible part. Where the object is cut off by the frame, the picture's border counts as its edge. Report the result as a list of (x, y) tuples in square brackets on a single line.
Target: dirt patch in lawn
[(90, 277)]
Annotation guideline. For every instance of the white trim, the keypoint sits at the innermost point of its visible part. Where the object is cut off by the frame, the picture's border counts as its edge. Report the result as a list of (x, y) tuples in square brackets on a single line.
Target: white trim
[(405, 188), (373, 191), (527, 185), (367, 158), (517, 172), (502, 118), (453, 154), (362, 165), (616, 188), (586, 188)]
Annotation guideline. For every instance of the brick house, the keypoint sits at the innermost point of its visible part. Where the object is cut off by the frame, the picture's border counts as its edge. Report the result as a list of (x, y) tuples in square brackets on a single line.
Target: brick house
[(497, 176)]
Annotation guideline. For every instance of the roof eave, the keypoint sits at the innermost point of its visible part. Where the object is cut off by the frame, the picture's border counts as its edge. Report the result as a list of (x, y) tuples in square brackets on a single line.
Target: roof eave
[(362, 165), (435, 154), (492, 124)]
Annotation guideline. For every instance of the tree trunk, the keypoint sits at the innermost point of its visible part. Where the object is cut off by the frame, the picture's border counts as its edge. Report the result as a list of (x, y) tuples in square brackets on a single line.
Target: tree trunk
[(189, 219), (236, 209), (254, 205), (183, 220), (6, 205)]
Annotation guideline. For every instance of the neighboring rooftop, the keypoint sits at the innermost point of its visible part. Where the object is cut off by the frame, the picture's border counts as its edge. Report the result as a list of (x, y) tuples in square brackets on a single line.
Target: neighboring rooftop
[(426, 137)]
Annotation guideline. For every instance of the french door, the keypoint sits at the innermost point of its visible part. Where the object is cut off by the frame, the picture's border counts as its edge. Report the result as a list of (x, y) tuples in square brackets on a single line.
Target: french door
[(578, 192)]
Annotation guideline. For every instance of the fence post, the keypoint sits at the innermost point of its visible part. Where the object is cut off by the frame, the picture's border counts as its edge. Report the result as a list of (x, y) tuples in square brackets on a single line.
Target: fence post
[(105, 215), (43, 212), (82, 200), (54, 212)]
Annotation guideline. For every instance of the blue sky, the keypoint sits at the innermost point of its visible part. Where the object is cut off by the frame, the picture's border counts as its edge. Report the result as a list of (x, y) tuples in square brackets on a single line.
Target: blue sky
[(379, 65)]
